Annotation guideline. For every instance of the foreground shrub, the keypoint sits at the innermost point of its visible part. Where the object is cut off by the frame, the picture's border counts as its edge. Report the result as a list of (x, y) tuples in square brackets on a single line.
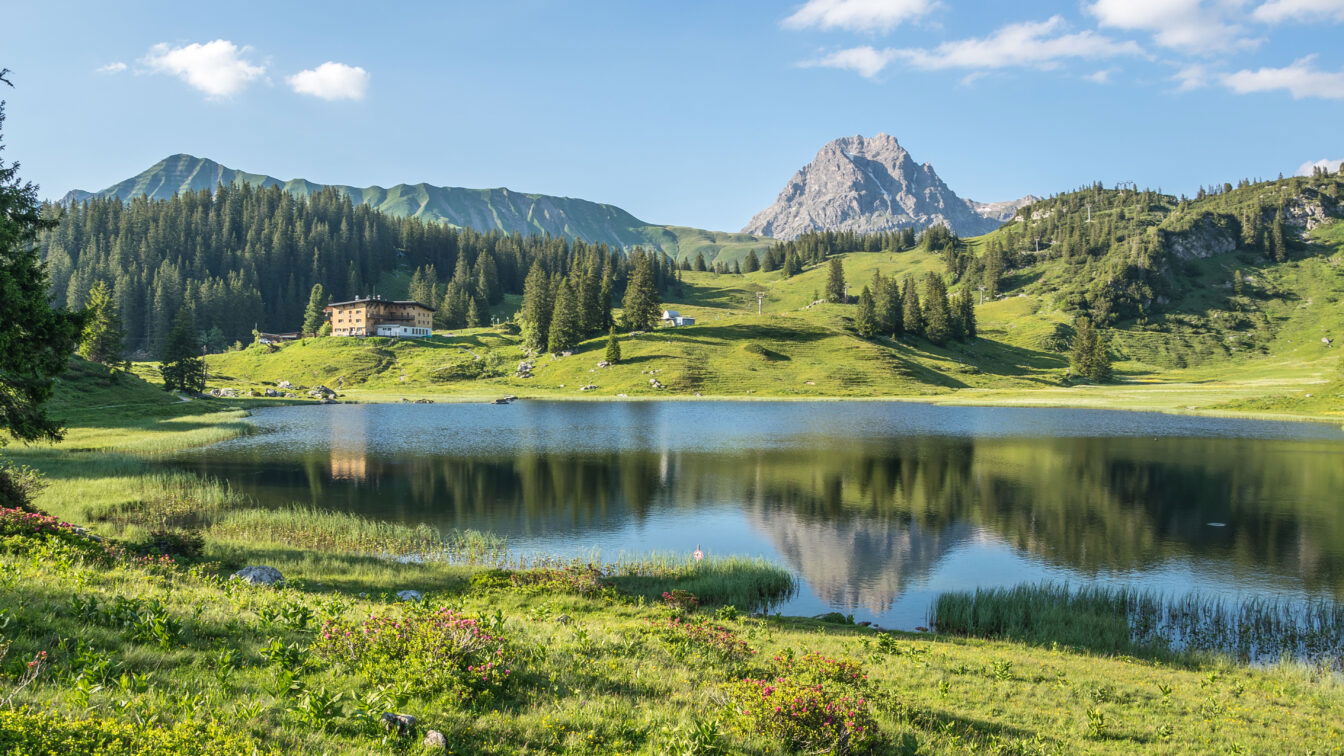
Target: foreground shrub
[(814, 668), (809, 718), (27, 732), (686, 637), (19, 485), (581, 579), (21, 531), (429, 652)]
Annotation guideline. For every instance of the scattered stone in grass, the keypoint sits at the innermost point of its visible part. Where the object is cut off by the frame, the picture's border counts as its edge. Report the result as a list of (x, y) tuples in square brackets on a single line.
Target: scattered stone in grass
[(259, 575), (409, 595), (404, 724), (589, 387), (564, 619), (435, 739), (603, 364)]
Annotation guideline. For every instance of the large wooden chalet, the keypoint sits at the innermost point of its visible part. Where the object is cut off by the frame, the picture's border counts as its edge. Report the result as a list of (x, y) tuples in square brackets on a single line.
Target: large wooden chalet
[(375, 316)]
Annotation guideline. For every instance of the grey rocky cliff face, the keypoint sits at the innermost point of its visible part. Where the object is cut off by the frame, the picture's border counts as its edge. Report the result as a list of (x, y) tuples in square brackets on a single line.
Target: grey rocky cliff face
[(869, 185)]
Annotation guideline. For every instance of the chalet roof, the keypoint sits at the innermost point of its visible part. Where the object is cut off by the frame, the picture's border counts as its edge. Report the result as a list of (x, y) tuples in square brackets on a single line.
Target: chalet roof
[(367, 300)]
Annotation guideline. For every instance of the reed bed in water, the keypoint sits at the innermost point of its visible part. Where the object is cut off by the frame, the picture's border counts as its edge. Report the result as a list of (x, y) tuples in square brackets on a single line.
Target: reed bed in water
[(340, 532), (1117, 619)]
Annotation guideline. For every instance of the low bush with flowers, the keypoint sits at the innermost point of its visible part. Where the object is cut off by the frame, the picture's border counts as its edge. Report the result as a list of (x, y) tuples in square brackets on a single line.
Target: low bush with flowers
[(814, 668), (429, 651), (686, 637), (23, 731), (680, 600), (805, 717), (812, 703), (22, 531)]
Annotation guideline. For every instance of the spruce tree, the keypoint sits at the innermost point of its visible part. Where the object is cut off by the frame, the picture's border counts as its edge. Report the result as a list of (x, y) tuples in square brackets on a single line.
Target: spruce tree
[(792, 266), (475, 318), (36, 340), (937, 314), (1088, 355), (866, 322), (181, 363), (535, 313), (970, 330), (1278, 240), (835, 281), (613, 347), (753, 263), (641, 298), (912, 314), (566, 321), (102, 339), (314, 314)]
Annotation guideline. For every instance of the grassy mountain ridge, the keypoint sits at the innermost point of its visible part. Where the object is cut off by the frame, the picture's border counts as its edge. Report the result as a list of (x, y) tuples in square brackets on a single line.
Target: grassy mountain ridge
[(480, 209)]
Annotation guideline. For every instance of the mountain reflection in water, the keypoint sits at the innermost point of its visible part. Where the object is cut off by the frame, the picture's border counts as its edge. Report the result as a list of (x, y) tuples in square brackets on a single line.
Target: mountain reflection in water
[(876, 506)]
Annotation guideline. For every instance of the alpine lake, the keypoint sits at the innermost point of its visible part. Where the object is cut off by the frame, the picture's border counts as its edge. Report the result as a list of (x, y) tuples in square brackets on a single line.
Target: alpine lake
[(876, 507)]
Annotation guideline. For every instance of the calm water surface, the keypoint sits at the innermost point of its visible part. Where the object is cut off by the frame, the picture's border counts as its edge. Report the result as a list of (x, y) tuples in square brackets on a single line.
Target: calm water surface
[(877, 507)]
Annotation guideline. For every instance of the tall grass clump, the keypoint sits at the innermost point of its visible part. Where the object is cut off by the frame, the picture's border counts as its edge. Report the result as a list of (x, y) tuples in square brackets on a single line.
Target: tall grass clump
[(1114, 619), (744, 582), (340, 532)]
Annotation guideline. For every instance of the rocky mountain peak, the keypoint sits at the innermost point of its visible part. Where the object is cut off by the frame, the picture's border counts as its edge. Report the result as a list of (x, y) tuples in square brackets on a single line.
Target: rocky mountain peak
[(872, 184)]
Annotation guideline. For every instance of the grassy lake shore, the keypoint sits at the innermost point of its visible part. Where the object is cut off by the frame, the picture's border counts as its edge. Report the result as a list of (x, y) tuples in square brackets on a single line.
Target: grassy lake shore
[(173, 656)]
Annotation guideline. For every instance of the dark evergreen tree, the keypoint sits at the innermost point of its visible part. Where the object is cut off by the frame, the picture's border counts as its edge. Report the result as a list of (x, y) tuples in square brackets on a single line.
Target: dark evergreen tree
[(753, 263), (912, 314), (181, 363), (835, 281), (792, 266), (102, 339), (535, 314), (566, 321), (937, 312), (970, 329), (613, 347), (865, 321), (1089, 355), (641, 297), (314, 315), (37, 340)]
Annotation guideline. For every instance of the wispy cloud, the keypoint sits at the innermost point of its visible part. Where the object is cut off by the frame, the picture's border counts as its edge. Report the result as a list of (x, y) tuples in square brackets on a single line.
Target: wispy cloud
[(1279, 11), (219, 68), (111, 68), (859, 15), (1031, 44), (1101, 77), (332, 81), (1195, 26), (1301, 80), (867, 61), (1042, 45)]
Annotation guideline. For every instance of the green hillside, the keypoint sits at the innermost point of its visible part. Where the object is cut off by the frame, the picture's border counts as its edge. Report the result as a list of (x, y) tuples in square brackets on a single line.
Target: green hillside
[(498, 209), (797, 349)]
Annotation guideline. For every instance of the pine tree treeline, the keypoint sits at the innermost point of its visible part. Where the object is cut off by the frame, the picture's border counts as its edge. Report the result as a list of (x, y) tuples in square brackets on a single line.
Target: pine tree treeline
[(890, 308), (561, 309), (243, 258)]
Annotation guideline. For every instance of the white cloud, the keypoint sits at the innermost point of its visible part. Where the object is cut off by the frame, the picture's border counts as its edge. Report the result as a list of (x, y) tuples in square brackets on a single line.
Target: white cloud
[(1279, 11), (1031, 44), (1101, 77), (1201, 26), (865, 60), (1331, 165), (111, 68), (1192, 77), (859, 15), (332, 81), (1300, 79), (216, 68)]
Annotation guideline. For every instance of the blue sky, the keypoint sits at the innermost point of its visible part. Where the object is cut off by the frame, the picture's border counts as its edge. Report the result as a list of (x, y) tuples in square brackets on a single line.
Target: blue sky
[(686, 112)]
